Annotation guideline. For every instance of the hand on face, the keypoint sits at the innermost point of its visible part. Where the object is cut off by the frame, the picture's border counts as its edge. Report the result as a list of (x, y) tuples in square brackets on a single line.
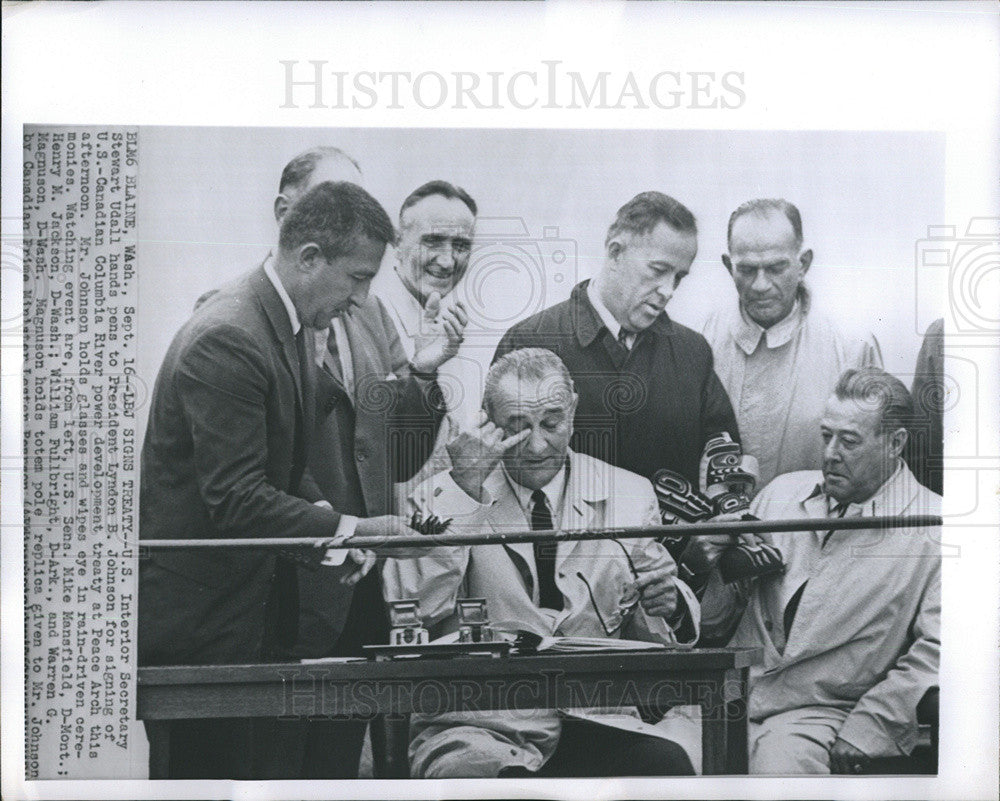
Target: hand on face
[(542, 410), (476, 453)]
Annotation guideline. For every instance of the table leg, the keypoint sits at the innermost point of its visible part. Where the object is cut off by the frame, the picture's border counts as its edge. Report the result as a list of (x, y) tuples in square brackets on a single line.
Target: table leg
[(724, 725), (158, 734), (390, 744)]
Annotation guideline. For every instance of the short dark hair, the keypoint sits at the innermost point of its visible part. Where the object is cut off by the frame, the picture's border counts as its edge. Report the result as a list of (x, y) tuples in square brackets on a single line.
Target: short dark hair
[(761, 207), (298, 170), (877, 389), (335, 215), (647, 210), (442, 188)]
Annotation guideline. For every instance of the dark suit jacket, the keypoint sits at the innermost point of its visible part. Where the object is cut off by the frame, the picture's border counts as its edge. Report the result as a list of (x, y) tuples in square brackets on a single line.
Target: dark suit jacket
[(925, 447), (651, 407), (382, 433), (225, 456)]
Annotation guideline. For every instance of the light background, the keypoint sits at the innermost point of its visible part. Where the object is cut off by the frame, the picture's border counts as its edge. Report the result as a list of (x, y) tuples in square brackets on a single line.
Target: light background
[(930, 67), (206, 195)]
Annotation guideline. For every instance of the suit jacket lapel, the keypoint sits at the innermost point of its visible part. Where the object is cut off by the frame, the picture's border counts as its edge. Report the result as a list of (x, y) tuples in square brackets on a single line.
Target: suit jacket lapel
[(815, 507), (308, 380), (277, 315), (507, 515), (894, 500), (583, 503)]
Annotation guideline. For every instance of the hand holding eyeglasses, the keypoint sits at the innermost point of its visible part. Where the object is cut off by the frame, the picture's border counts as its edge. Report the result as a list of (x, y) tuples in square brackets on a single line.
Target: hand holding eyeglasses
[(657, 591)]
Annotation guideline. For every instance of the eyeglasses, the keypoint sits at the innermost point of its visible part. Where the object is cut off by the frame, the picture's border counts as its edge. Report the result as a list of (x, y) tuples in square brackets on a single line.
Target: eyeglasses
[(628, 601)]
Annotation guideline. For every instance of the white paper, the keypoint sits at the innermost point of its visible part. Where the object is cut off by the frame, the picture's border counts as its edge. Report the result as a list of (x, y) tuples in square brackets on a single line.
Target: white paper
[(883, 117)]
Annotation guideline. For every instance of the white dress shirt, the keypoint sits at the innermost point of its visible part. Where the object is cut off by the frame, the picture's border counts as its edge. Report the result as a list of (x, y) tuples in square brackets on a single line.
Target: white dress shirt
[(348, 523), (607, 317)]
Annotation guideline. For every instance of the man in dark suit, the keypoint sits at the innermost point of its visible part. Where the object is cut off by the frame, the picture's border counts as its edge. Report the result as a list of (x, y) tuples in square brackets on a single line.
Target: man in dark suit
[(378, 414), (226, 454), (649, 396)]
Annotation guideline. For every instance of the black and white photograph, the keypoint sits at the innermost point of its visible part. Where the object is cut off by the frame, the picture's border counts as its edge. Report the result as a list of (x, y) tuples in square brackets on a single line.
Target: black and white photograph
[(546, 315), (610, 458)]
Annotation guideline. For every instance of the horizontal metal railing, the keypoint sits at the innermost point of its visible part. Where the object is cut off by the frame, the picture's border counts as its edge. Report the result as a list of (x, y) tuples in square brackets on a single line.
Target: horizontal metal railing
[(501, 537)]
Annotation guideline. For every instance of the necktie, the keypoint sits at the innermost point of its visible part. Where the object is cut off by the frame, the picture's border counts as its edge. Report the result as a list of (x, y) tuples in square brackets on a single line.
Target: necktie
[(623, 336), (331, 358), (838, 511), (300, 349), (299, 455), (549, 595)]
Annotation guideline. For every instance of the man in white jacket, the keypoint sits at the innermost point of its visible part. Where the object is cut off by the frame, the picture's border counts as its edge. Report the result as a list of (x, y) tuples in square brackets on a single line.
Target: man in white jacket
[(851, 631), (514, 472), (777, 355)]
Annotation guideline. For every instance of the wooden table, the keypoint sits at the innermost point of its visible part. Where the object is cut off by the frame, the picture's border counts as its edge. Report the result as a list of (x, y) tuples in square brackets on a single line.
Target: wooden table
[(387, 692)]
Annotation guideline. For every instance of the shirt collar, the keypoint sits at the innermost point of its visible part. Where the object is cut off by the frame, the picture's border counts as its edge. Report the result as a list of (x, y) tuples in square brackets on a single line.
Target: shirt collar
[(877, 504), (592, 314), (554, 491), (408, 310), (747, 333), (293, 316), (584, 317), (602, 311)]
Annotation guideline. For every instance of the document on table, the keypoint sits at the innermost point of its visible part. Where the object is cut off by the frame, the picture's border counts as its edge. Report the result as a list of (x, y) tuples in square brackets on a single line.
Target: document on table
[(583, 645)]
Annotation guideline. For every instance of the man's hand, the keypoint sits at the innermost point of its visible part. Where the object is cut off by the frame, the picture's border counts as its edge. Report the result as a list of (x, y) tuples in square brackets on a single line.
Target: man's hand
[(364, 559), (845, 758), (475, 454), (441, 334), (387, 527), (657, 592), (384, 526), (702, 552)]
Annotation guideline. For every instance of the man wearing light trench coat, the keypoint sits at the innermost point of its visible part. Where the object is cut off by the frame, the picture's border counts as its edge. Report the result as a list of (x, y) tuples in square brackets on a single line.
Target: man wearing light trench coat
[(523, 449)]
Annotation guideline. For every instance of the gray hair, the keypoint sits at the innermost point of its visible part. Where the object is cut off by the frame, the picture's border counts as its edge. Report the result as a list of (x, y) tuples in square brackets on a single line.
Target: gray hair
[(533, 364), (297, 172), (875, 389), (761, 207)]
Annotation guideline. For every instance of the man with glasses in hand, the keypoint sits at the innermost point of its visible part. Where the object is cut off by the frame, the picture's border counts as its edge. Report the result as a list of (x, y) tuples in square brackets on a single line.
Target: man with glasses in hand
[(515, 472)]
